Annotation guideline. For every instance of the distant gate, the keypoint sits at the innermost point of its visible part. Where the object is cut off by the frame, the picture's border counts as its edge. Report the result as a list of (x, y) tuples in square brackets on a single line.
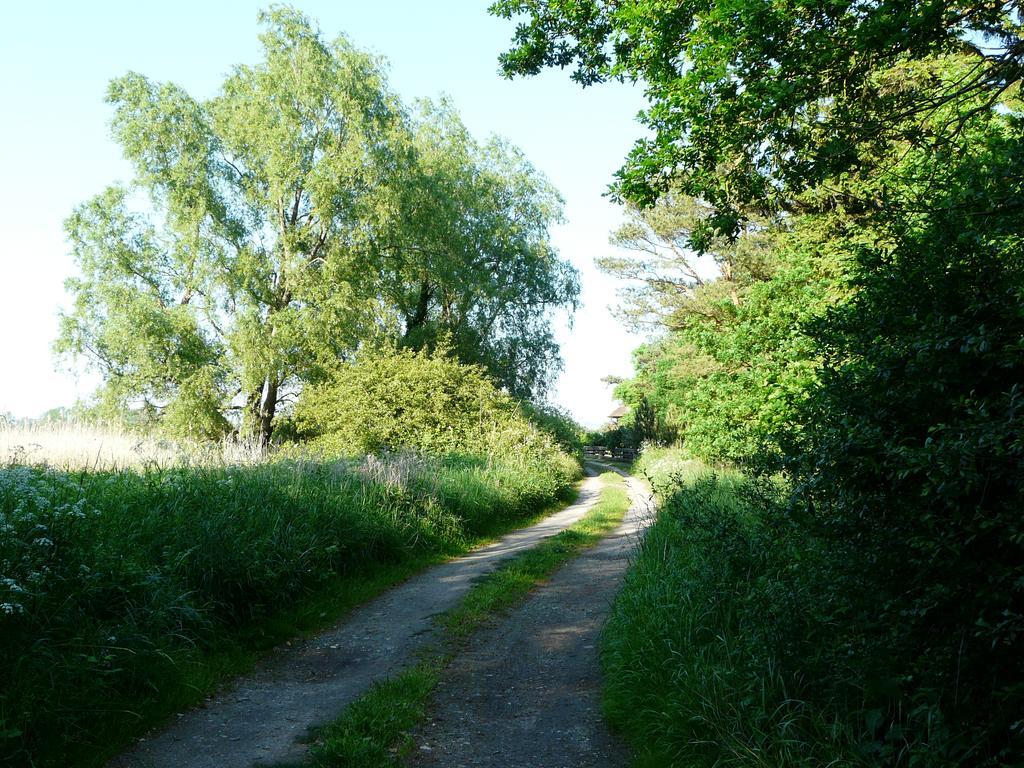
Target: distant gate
[(601, 452)]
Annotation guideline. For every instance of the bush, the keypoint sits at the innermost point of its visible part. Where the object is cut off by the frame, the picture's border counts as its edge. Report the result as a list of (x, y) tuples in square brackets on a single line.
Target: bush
[(755, 631), (909, 459), (569, 435), (394, 400)]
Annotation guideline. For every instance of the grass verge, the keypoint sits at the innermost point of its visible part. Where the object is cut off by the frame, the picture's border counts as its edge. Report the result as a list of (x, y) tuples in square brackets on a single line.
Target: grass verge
[(373, 732), (133, 594), (707, 654)]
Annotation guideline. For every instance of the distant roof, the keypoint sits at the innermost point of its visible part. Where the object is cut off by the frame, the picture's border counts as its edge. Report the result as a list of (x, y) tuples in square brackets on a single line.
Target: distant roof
[(619, 412)]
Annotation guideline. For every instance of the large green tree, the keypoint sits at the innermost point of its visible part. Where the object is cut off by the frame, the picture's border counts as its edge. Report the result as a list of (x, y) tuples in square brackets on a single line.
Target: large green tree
[(239, 266), (750, 100), (272, 229), (470, 259)]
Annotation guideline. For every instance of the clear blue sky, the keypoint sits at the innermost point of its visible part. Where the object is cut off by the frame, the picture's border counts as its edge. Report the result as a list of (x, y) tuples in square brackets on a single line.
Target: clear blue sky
[(55, 151)]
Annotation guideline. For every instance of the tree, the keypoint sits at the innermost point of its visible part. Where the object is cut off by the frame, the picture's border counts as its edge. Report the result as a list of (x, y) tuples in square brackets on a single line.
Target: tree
[(645, 421), (723, 377), (753, 100), (225, 288), (664, 283), (273, 229), (472, 256)]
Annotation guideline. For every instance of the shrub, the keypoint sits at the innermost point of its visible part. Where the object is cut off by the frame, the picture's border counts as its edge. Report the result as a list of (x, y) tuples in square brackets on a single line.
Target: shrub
[(391, 400), (569, 435), (755, 631), (428, 402), (908, 457)]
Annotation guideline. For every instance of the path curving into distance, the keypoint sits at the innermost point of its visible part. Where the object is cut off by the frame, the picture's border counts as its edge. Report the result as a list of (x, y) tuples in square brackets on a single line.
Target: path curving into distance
[(527, 692), (265, 716)]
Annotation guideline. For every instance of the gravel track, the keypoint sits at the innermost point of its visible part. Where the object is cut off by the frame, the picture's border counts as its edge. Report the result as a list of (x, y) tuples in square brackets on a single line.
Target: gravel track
[(527, 692), (265, 716)]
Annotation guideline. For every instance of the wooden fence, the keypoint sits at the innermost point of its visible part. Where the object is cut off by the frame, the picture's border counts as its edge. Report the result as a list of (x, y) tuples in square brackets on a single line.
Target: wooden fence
[(617, 454)]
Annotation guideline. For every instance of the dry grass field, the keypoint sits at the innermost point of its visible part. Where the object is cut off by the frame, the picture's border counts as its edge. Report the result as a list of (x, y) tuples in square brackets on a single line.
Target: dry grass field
[(69, 445)]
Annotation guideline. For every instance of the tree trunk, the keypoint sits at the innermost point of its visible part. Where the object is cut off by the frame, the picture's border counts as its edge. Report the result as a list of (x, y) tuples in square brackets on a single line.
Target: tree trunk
[(727, 274), (422, 310), (263, 405)]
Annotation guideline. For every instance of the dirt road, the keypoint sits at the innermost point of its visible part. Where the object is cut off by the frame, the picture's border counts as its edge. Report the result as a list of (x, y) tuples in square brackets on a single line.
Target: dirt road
[(264, 717), (527, 692)]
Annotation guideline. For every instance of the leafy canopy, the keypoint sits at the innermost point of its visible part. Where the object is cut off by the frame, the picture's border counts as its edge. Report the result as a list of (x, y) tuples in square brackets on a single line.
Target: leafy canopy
[(751, 100), (272, 229)]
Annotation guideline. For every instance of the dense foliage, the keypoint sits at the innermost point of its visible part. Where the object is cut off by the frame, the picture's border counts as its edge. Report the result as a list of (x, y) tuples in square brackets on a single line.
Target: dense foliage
[(120, 588), (303, 210), (753, 100), (726, 376), (854, 171), (744, 635), (879, 368), (392, 400), (909, 455), (719, 650)]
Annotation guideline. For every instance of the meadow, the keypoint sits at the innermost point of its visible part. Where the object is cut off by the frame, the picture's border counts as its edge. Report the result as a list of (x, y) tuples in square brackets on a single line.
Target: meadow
[(71, 445), (138, 573)]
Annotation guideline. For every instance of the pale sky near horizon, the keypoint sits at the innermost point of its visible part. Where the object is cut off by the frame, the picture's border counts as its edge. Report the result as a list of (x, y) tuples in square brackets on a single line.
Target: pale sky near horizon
[(55, 150)]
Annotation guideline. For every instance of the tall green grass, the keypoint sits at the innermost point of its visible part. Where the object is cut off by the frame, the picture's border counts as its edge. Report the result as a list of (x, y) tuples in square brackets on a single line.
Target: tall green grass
[(712, 656), (126, 593)]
